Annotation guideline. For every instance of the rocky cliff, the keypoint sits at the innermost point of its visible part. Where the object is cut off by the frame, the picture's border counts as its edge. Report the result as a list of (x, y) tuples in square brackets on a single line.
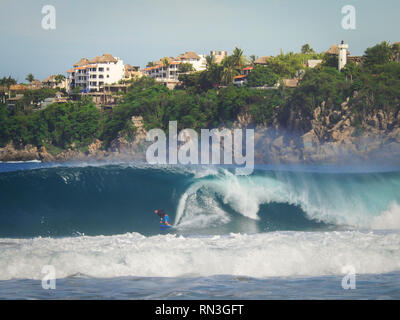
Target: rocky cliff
[(328, 136)]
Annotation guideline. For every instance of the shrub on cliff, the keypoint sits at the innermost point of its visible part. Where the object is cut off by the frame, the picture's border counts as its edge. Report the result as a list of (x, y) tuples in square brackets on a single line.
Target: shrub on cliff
[(60, 125)]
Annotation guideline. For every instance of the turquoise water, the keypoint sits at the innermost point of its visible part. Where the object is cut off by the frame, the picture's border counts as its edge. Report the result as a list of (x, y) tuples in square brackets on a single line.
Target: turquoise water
[(281, 233)]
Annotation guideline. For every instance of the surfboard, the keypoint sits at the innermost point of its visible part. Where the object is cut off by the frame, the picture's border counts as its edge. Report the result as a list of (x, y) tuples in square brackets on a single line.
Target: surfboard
[(164, 226)]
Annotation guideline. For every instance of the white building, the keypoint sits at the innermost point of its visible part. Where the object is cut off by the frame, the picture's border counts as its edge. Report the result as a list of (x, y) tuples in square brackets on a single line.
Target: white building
[(167, 70), (198, 61), (312, 63), (92, 75), (341, 52), (342, 55)]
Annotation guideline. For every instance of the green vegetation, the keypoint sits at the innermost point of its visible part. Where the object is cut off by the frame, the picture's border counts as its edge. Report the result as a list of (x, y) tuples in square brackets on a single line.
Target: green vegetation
[(62, 126), (30, 78), (261, 76), (185, 67), (209, 99), (378, 55), (159, 105), (8, 82)]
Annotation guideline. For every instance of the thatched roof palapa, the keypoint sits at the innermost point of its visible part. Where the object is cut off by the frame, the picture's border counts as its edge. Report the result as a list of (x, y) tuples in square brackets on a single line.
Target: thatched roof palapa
[(82, 62), (262, 60), (188, 55), (334, 50)]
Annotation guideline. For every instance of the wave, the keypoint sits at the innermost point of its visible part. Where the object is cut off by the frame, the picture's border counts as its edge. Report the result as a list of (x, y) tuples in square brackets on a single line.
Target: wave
[(28, 161), (118, 199), (274, 254), (367, 200)]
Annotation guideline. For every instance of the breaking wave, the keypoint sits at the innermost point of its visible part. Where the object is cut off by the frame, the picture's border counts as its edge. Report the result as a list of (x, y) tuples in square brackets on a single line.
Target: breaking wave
[(118, 199)]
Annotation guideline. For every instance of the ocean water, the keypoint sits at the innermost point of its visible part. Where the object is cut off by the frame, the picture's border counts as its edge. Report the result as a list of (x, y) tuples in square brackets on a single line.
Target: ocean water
[(280, 233)]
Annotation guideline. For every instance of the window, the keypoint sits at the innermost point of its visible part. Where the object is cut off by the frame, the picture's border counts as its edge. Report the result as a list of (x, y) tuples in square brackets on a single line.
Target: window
[(101, 76), (101, 69), (108, 76), (108, 69)]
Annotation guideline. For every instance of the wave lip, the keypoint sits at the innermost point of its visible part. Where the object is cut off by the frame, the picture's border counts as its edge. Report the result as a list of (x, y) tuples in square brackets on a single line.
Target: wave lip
[(275, 254)]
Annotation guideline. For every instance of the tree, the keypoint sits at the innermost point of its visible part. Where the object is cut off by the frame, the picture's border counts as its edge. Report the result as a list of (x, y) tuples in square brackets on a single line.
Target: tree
[(351, 70), (60, 78), (30, 78), (330, 60), (231, 66), (8, 82), (262, 75), (185, 67), (253, 58), (150, 64), (378, 55), (212, 75), (286, 65), (237, 58), (209, 62), (319, 85), (228, 73), (306, 49)]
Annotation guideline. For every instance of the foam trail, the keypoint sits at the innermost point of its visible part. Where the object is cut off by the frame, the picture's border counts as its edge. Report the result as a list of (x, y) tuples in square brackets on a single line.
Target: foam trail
[(275, 254)]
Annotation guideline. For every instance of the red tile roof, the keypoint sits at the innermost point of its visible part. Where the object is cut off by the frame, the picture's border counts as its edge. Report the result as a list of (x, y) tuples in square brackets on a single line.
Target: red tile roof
[(241, 76)]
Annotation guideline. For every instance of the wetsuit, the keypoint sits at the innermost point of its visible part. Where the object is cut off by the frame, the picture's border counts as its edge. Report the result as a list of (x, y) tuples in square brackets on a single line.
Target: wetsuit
[(166, 219)]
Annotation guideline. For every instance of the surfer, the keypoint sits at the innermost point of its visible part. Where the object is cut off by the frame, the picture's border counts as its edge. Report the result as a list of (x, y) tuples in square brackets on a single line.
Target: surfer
[(164, 218)]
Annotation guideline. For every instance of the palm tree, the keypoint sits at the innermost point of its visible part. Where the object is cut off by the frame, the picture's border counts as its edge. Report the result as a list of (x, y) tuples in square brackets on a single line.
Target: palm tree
[(209, 62), (228, 75), (229, 70), (59, 78), (237, 58), (30, 78), (8, 82), (232, 65), (253, 58), (306, 49)]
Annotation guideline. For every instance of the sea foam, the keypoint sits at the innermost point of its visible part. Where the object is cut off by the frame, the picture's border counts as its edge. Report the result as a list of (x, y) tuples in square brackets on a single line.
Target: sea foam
[(275, 254)]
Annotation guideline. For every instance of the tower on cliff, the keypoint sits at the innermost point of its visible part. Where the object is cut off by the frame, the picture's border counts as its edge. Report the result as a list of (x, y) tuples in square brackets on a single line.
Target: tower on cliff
[(342, 55)]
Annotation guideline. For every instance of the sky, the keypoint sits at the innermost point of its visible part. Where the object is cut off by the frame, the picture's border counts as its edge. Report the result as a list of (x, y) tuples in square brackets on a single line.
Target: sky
[(139, 31)]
